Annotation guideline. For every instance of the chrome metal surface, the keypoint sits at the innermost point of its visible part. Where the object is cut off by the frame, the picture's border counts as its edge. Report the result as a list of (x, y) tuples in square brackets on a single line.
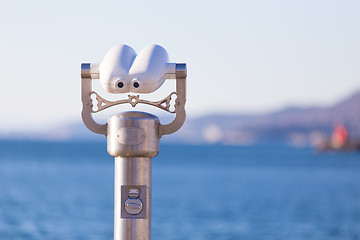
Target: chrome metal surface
[(85, 70), (86, 108), (180, 103), (132, 172), (181, 70), (133, 134)]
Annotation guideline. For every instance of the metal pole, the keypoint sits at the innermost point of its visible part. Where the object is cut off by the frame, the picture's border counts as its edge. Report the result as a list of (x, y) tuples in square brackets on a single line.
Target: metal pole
[(133, 138), (132, 172)]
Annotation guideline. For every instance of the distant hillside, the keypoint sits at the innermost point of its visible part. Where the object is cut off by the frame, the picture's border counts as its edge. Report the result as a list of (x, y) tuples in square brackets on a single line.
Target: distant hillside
[(290, 124), (297, 126)]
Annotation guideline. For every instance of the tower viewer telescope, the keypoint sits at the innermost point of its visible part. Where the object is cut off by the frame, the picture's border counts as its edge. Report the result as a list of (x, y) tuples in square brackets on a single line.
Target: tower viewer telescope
[(133, 137)]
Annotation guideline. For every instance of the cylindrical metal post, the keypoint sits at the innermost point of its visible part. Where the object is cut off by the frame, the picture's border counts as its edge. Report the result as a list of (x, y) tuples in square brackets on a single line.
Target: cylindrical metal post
[(133, 139), (134, 173)]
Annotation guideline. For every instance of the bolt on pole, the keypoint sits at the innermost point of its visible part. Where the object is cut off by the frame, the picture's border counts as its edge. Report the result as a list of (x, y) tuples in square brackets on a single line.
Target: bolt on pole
[(133, 137)]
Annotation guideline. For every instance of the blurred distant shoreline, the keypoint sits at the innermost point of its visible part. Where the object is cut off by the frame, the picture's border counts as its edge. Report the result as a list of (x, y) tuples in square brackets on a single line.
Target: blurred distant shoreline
[(294, 126)]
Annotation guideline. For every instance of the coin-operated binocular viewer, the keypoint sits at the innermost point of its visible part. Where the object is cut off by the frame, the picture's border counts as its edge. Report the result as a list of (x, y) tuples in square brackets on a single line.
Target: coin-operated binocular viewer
[(133, 137)]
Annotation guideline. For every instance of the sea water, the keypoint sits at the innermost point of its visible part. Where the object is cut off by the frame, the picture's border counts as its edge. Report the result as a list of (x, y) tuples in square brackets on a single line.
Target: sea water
[(54, 190)]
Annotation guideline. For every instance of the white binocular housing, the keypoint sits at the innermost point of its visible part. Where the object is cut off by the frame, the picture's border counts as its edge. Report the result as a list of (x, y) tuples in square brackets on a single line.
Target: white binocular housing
[(123, 71)]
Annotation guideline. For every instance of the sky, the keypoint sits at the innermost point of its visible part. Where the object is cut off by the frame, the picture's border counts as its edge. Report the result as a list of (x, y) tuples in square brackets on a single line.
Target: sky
[(250, 56)]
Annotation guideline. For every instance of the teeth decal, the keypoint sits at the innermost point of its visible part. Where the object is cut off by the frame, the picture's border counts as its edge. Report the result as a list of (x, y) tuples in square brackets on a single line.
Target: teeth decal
[(167, 104)]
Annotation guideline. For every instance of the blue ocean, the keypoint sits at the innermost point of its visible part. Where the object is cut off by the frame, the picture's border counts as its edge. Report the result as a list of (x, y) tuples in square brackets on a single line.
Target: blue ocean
[(57, 190)]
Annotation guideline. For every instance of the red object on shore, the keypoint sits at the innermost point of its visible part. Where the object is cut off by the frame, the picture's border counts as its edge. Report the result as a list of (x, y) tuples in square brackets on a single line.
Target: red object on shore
[(340, 136)]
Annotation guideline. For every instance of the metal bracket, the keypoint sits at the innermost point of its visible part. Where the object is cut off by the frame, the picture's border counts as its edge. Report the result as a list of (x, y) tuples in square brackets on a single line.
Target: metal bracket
[(164, 104)]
